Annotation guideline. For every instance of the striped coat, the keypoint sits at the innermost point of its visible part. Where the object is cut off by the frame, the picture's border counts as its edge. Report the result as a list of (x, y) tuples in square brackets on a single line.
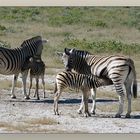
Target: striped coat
[(119, 69), (12, 60), (37, 70), (78, 82)]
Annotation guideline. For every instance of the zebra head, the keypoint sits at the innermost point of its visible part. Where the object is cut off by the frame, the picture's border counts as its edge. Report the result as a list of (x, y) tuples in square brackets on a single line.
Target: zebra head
[(67, 59), (76, 60)]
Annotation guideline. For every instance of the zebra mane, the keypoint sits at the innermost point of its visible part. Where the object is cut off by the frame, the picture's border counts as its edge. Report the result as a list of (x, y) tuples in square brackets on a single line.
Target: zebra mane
[(80, 52), (34, 39)]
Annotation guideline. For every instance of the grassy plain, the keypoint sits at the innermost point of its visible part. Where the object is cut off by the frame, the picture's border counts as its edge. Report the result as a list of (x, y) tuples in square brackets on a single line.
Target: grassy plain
[(96, 29), (100, 30)]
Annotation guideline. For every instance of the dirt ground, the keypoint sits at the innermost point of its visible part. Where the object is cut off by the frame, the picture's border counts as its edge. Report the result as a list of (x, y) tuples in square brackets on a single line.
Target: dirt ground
[(37, 116)]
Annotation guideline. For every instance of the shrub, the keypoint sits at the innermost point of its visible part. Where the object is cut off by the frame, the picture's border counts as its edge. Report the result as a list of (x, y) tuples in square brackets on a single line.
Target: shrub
[(108, 46), (5, 44), (2, 28)]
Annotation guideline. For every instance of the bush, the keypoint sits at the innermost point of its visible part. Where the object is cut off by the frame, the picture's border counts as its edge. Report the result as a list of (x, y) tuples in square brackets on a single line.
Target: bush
[(4, 44), (2, 28), (108, 46)]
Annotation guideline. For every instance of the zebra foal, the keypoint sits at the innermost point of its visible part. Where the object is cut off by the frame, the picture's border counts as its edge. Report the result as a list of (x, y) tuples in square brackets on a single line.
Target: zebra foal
[(37, 70), (79, 82), (12, 60), (119, 69)]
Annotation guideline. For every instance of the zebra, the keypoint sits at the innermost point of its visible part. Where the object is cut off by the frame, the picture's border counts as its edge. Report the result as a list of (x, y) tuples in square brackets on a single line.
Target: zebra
[(12, 60), (77, 81), (119, 69), (37, 70)]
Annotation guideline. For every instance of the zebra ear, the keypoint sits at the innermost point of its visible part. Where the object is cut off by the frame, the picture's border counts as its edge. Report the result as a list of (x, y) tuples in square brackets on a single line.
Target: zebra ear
[(67, 51)]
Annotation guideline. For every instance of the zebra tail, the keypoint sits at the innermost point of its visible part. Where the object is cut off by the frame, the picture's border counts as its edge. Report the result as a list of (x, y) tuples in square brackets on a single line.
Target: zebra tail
[(134, 82), (55, 89), (135, 88)]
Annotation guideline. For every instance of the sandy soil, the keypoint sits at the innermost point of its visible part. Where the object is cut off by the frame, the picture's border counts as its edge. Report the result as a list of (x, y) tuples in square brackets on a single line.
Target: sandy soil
[(33, 116)]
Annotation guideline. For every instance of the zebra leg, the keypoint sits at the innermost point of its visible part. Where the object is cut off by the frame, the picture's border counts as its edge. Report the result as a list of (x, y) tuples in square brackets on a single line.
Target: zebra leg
[(129, 97), (120, 92), (13, 96), (86, 95), (37, 80), (30, 86), (129, 106), (81, 106), (93, 95), (43, 83), (24, 78), (56, 98)]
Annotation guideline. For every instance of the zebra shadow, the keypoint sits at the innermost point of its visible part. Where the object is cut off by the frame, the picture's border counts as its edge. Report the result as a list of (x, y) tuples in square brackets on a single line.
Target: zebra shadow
[(77, 101), (113, 116), (64, 101)]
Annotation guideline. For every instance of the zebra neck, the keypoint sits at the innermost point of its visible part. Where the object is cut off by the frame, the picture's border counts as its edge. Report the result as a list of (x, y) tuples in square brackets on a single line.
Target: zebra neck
[(81, 66)]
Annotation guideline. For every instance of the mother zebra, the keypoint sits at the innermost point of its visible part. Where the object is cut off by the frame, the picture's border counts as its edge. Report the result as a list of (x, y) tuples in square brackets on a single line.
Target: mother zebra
[(120, 70), (12, 60)]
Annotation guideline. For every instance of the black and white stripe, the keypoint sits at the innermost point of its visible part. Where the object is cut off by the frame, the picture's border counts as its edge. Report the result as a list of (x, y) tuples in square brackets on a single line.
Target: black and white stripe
[(37, 70), (119, 69), (77, 81), (12, 60)]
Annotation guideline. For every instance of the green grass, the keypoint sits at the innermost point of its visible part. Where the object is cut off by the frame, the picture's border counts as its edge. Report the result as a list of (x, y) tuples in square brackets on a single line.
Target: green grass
[(99, 30)]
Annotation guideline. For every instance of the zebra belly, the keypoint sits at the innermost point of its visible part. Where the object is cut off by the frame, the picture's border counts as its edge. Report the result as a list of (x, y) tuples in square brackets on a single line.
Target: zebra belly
[(9, 72)]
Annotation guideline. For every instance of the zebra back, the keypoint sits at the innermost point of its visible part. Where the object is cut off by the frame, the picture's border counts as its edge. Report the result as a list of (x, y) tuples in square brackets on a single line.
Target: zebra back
[(119, 69), (76, 81), (12, 60), (33, 44)]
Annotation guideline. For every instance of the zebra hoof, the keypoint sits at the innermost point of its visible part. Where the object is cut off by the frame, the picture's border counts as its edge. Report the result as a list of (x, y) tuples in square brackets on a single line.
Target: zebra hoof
[(13, 96), (56, 113), (38, 98), (79, 111), (87, 114), (127, 116), (27, 97), (93, 112), (117, 116)]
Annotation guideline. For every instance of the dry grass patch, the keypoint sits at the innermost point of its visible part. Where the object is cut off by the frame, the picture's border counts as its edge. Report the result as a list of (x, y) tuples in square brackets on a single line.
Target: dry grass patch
[(14, 127), (31, 126), (7, 84), (52, 61), (113, 106), (53, 71), (106, 94), (136, 104), (108, 107), (42, 121), (137, 65)]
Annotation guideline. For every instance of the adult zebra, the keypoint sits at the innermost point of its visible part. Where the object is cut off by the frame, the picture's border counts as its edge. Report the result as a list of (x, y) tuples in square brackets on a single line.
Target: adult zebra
[(12, 60), (119, 69)]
